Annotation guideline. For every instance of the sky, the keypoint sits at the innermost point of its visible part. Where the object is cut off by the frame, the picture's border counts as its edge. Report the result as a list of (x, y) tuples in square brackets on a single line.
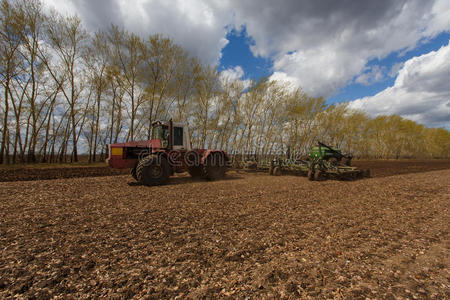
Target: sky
[(383, 57)]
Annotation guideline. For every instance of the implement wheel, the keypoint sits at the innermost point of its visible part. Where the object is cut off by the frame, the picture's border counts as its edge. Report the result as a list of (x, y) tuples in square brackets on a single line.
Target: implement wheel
[(153, 170), (319, 175), (333, 161), (276, 171)]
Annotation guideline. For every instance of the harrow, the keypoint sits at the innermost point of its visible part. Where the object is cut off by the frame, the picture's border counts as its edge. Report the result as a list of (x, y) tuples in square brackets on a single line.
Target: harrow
[(323, 162), (281, 166)]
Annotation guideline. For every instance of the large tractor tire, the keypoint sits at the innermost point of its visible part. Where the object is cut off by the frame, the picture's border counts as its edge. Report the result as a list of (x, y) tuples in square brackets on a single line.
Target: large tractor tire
[(196, 171), (153, 170), (133, 171), (213, 168)]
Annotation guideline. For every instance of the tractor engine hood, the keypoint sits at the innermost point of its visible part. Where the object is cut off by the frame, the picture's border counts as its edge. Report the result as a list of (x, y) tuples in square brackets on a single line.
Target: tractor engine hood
[(119, 154), (155, 143)]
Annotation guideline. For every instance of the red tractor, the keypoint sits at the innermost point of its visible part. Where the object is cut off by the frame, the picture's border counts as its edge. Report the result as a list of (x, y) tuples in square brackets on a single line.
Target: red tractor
[(169, 151)]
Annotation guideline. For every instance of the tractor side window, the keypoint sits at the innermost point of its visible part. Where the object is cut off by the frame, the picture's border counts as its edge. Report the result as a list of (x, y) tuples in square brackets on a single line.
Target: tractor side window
[(157, 132), (178, 136), (165, 133), (161, 132)]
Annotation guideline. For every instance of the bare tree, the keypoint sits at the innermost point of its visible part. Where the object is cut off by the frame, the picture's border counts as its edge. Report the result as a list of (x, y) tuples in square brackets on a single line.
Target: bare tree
[(9, 62), (68, 39), (126, 57)]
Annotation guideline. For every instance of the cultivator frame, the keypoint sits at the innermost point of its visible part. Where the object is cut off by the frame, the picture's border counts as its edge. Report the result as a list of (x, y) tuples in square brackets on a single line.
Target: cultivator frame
[(250, 163), (287, 166), (323, 162)]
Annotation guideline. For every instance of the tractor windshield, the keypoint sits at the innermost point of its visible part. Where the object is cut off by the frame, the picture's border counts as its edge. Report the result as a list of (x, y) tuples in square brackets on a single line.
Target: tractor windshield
[(161, 132)]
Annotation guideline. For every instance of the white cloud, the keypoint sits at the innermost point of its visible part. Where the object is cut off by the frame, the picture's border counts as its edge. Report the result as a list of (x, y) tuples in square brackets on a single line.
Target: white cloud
[(324, 44), (395, 68), (371, 75), (318, 45), (421, 91), (199, 26), (232, 74)]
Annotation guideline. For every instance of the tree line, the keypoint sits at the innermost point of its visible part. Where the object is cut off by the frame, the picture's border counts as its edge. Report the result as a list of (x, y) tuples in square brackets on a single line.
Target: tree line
[(66, 91)]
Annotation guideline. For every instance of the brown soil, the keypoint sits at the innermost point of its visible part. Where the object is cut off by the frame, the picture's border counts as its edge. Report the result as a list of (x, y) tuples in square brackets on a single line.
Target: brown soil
[(383, 168), (251, 235), (25, 174)]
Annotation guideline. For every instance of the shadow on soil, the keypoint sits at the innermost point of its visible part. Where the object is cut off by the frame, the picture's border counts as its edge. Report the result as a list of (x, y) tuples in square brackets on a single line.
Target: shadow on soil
[(188, 180)]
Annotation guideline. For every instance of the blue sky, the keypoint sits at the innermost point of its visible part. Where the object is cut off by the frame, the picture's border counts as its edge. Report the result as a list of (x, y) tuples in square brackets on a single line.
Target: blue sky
[(237, 53)]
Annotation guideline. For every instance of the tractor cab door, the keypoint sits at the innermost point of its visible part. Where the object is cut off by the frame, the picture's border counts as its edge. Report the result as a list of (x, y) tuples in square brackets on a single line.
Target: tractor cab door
[(181, 137)]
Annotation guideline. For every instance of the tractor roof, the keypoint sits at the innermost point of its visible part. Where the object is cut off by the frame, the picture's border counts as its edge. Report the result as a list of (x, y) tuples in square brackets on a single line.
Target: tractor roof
[(166, 123)]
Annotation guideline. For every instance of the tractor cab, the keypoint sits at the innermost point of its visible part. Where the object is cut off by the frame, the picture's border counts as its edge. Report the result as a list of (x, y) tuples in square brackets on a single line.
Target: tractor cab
[(172, 135)]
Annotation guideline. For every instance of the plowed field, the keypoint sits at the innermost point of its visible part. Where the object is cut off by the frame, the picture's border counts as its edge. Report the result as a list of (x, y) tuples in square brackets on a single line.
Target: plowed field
[(250, 235)]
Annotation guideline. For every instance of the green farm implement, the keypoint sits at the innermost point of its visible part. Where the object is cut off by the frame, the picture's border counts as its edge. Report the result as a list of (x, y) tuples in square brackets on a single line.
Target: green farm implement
[(322, 162), (330, 163)]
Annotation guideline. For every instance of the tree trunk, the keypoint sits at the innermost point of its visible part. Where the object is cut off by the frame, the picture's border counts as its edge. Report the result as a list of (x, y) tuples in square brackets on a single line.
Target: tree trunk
[(97, 124), (47, 131), (5, 121), (74, 136)]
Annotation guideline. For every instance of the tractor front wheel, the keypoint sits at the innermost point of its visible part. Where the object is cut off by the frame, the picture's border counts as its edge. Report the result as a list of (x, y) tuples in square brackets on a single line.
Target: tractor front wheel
[(153, 170)]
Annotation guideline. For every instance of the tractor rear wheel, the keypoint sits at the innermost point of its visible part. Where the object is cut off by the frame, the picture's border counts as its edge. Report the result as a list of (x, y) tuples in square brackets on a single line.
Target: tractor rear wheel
[(133, 171), (196, 171), (153, 170), (213, 167)]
